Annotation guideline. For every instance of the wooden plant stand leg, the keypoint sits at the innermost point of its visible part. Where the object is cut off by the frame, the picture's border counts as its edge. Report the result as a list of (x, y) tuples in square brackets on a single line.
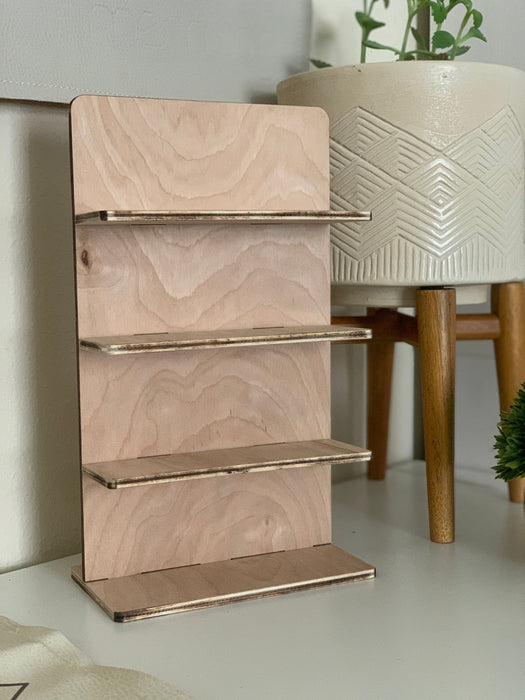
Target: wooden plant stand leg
[(380, 360), (436, 317), (508, 303)]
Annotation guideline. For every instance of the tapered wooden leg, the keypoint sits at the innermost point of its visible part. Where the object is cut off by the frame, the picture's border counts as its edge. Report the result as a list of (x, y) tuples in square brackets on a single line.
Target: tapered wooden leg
[(508, 303), (380, 359), (436, 317)]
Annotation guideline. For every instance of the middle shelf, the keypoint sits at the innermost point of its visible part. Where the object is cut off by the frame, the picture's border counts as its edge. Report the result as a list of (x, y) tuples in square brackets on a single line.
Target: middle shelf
[(162, 342), (193, 465)]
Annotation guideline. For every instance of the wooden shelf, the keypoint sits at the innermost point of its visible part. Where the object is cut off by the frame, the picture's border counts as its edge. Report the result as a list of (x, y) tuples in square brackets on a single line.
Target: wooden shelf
[(194, 465), (162, 342), (183, 539), (156, 218), (204, 585)]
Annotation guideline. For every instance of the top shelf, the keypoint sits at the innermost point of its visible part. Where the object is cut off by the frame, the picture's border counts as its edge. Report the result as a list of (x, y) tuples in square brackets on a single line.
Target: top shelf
[(143, 218)]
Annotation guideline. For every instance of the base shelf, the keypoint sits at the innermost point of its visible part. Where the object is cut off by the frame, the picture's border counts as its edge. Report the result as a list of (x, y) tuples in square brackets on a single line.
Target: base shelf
[(194, 465), (204, 585)]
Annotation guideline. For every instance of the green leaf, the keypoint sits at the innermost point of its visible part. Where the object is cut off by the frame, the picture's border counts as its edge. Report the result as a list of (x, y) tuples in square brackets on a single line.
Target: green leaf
[(320, 64), (442, 40), (474, 33), (374, 45), (367, 22), (467, 3), (386, 3), (418, 37), (439, 12), (510, 440), (361, 18), (461, 50), (477, 18)]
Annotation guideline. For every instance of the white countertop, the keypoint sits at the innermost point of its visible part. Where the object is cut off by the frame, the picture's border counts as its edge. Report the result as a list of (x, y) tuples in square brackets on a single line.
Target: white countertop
[(439, 621)]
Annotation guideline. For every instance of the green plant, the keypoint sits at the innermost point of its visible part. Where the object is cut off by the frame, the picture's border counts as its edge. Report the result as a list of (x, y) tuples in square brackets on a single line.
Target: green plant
[(443, 45), (510, 440)]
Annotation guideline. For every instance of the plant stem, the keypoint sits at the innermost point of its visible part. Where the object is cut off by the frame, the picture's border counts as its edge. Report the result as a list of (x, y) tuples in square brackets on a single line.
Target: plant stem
[(362, 58), (466, 18), (364, 32), (363, 49), (411, 16)]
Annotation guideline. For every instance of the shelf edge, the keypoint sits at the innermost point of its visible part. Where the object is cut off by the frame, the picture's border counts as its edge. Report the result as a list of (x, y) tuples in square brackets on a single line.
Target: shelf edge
[(108, 217), (227, 339), (170, 590), (351, 455)]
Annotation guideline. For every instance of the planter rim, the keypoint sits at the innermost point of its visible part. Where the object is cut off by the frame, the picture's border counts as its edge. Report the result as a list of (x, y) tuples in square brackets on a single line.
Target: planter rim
[(439, 67)]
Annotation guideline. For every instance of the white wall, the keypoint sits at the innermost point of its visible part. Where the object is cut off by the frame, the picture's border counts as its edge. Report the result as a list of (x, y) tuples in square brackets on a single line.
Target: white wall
[(503, 25), (336, 36), (233, 50), (39, 484)]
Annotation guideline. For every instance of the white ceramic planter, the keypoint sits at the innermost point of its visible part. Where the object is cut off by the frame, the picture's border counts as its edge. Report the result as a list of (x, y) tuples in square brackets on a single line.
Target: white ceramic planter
[(435, 150)]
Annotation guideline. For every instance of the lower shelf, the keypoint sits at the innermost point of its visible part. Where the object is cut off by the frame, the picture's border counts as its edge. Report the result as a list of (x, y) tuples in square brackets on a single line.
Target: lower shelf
[(205, 585), (194, 465)]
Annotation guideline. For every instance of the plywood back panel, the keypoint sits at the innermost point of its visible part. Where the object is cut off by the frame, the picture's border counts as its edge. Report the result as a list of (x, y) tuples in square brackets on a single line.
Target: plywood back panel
[(201, 277), (135, 406), (193, 522), (132, 153), (136, 154)]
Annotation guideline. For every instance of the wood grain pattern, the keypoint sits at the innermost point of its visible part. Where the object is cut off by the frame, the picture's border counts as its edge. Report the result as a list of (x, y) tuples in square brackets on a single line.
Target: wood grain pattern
[(164, 342), (389, 325), (477, 327), (386, 325), (252, 217), (189, 588), (380, 362), (203, 520), (436, 315), (191, 465), (161, 403), (181, 278), (165, 155)]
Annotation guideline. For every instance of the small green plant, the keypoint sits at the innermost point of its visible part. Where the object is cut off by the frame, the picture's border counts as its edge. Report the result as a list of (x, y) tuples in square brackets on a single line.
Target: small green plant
[(510, 440), (443, 45)]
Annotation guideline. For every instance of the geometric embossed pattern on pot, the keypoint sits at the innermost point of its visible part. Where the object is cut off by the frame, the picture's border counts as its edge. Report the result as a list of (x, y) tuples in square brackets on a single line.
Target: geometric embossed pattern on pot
[(439, 215)]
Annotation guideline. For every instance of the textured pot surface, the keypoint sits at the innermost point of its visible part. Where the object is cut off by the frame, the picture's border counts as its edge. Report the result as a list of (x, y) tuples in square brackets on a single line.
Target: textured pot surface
[(435, 150)]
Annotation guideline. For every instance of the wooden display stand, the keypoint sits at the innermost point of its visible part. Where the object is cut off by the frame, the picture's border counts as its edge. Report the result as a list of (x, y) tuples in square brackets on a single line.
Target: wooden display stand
[(205, 451)]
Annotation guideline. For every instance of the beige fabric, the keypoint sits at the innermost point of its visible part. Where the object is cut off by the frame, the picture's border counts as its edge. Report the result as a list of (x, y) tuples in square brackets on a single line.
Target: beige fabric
[(53, 668)]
